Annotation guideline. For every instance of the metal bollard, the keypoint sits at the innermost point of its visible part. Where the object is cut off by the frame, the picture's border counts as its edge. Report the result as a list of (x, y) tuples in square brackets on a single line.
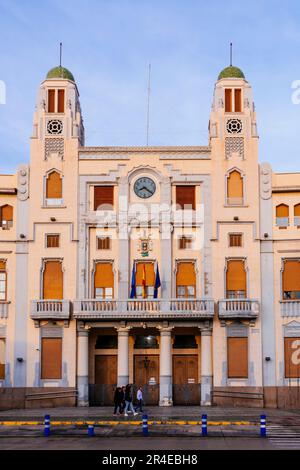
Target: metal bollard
[(263, 426), (145, 425), (204, 425), (91, 430), (47, 426)]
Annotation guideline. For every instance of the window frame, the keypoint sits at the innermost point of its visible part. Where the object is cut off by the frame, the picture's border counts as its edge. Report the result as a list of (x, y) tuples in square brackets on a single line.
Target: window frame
[(47, 235), (235, 234)]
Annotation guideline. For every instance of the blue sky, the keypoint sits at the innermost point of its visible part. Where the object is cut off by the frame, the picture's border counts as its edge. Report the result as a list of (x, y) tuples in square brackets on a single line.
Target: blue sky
[(108, 45)]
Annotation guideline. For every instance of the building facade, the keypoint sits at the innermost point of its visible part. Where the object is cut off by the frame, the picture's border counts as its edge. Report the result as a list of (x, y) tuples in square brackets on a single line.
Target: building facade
[(172, 268)]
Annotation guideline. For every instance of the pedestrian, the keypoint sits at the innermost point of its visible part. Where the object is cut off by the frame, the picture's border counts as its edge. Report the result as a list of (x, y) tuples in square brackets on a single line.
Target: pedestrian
[(128, 401), (139, 397), (118, 400), (122, 398)]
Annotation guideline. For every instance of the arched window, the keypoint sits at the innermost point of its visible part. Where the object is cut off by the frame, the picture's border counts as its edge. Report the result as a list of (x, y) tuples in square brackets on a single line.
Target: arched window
[(6, 217), (236, 282), (235, 189), (282, 215), (3, 281), (103, 281), (291, 280), (297, 215), (53, 280), (186, 280), (54, 189), (145, 280)]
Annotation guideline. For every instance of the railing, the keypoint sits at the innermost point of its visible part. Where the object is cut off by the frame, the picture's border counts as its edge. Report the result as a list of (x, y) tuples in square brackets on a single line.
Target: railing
[(192, 305), (53, 309), (4, 309), (144, 305), (290, 308), (238, 308)]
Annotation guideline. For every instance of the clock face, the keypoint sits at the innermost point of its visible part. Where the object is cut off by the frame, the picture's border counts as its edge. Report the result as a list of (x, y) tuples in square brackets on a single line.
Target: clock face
[(144, 187)]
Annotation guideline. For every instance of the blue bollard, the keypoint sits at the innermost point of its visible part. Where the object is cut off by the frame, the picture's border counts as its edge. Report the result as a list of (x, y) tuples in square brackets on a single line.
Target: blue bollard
[(91, 430), (145, 425), (47, 426), (204, 425), (263, 426)]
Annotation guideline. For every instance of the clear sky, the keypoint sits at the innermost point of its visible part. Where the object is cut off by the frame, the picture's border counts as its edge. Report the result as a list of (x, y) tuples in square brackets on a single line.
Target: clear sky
[(108, 45)]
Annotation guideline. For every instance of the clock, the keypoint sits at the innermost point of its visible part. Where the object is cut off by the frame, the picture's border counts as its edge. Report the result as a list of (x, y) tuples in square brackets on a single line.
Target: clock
[(144, 187)]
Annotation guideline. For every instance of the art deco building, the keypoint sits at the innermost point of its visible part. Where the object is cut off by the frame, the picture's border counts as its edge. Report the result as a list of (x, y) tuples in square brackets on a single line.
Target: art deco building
[(173, 268)]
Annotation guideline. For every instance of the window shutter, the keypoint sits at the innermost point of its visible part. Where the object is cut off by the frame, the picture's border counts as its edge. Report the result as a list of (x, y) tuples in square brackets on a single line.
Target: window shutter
[(51, 358), (150, 275), (2, 265), (238, 100), (54, 186), (2, 359), (237, 357), (103, 195), (52, 241), (7, 213), (297, 210), (186, 275), (104, 276), (61, 101), (51, 101), (291, 275), (235, 185), (185, 195), (292, 357), (236, 276), (228, 100), (103, 243), (282, 210), (53, 280), (235, 239)]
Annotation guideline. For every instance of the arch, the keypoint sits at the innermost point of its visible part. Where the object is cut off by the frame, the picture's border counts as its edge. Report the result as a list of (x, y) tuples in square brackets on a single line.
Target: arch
[(52, 280), (297, 215), (53, 186), (235, 188), (185, 279), (103, 280), (6, 216), (282, 215), (291, 279), (236, 279)]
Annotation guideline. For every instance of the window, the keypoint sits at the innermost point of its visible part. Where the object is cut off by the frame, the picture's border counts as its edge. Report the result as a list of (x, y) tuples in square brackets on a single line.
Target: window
[(51, 101), (228, 100), (185, 242), (6, 217), (186, 280), (237, 358), (103, 281), (233, 100), (2, 358), (51, 358), (282, 215), (185, 342), (53, 280), (52, 241), (146, 342), (103, 243), (292, 357), (235, 190), (54, 189), (56, 101), (297, 215), (185, 197), (3, 280), (237, 100), (103, 197), (145, 280), (291, 280), (61, 101), (107, 342), (236, 279), (235, 239)]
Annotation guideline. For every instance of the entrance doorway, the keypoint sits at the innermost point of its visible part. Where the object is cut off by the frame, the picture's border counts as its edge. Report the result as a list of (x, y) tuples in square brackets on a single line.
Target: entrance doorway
[(186, 389), (146, 375), (102, 392)]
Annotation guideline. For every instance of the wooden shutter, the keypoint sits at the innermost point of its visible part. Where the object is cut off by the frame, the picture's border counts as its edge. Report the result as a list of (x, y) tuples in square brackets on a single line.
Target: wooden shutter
[(185, 195), (54, 186), (2, 359), (52, 241), (291, 275), (150, 275), (103, 243), (235, 185), (235, 239), (53, 280), (236, 276), (103, 195), (51, 358), (2, 265), (7, 213), (238, 100), (297, 210), (51, 101), (186, 275), (104, 276), (292, 357), (228, 100), (282, 210), (237, 357), (61, 101)]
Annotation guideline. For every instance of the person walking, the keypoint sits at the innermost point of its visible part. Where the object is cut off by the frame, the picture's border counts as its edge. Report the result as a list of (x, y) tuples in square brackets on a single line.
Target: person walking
[(122, 398), (128, 401), (118, 400), (139, 397)]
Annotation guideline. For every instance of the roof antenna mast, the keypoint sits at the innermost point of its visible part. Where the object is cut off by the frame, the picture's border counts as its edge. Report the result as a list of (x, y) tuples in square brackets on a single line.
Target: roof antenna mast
[(60, 53), (148, 102), (231, 54)]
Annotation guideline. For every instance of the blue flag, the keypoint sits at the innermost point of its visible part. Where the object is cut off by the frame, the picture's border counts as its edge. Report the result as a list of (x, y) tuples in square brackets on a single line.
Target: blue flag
[(133, 283), (157, 282)]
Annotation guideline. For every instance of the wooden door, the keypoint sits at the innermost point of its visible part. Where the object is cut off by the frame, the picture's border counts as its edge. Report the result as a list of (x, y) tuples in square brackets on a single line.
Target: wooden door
[(102, 392), (186, 387), (146, 375)]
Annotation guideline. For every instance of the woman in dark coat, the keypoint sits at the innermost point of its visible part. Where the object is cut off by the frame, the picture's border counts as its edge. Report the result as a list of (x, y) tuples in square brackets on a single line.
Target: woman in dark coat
[(118, 400)]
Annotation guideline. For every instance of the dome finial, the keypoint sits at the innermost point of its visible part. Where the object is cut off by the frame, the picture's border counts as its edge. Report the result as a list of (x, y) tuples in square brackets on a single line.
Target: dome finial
[(60, 53), (230, 64)]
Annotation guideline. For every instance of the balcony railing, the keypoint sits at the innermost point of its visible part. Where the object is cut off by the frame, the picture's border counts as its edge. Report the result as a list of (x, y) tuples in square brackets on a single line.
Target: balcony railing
[(50, 309), (4, 309), (238, 308), (290, 308), (144, 308)]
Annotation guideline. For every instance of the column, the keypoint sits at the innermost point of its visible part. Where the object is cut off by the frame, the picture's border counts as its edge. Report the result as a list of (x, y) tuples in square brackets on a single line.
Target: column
[(206, 367), (123, 356), (83, 367), (165, 358)]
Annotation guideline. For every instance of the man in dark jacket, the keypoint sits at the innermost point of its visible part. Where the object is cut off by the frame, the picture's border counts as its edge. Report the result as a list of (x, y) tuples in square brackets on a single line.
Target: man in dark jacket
[(118, 400)]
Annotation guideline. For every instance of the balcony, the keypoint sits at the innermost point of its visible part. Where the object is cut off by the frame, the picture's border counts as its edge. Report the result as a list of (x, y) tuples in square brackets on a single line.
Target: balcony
[(290, 308), (4, 309), (143, 308), (238, 309), (50, 309)]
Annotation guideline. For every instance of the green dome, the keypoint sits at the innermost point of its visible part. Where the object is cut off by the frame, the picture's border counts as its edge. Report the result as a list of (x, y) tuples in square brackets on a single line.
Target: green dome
[(231, 72), (60, 72)]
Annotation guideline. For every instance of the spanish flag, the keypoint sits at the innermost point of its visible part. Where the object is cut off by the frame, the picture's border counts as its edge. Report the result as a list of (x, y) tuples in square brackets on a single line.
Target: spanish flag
[(144, 282)]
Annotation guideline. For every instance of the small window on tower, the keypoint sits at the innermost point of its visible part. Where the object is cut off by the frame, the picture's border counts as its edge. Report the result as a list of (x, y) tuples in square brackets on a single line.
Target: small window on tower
[(228, 100), (103, 243), (235, 239), (238, 100), (61, 101), (52, 241), (51, 101), (185, 242)]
